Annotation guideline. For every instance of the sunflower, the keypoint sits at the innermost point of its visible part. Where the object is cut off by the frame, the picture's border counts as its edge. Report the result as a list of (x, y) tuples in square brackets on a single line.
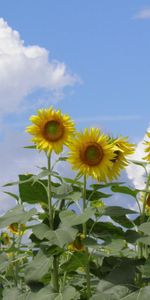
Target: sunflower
[(5, 239), (122, 149), (16, 228), (51, 129), (91, 154), (77, 245), (147, 148)]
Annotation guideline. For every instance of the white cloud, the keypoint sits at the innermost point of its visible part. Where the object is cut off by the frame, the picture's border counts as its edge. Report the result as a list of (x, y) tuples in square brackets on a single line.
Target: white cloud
[(143, 14), (136, 173), (25, 69)]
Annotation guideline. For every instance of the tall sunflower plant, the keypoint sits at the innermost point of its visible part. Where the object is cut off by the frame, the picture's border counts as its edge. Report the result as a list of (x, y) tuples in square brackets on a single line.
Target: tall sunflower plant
[(62, 240)]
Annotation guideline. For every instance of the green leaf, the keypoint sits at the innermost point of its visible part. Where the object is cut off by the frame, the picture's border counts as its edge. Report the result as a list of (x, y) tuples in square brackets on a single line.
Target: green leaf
[(115, 246), (12, 195), (39, 230), (32, 193), (61, 236), (62, 191), (145, 227), (3, 262), (30, 147), (125, 190), (37, 268), (96, 195), (139, 163), (75, 196), (145, 269), (13, 294), (144, 240), (98, 186), (47, 293), (132, 236), (69, 218), (118, 284), (77, 260), (105, 230), (117, 211), (123, 221), (16, 215)]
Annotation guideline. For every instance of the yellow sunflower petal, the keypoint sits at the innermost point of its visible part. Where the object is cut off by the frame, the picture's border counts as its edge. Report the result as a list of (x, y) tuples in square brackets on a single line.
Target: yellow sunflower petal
[(51, 130), (91, 154)]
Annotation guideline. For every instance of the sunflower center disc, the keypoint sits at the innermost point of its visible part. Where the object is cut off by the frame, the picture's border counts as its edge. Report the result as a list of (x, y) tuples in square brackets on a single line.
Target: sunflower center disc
[(93, 155), (53, 130)]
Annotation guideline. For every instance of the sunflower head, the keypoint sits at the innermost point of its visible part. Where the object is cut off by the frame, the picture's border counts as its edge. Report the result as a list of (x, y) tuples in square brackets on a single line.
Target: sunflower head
[(147, 148), (122, 148), (51, 130), (91, 153), (77, 245), (5, 239), (17, 228)]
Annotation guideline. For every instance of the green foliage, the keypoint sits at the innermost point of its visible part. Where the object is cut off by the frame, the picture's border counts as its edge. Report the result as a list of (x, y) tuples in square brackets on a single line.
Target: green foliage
[(112, 241)]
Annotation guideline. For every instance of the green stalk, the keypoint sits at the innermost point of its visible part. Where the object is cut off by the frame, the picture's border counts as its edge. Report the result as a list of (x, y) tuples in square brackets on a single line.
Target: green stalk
[(50, 206), (145, 198), (140, 248), (87, 269), (55, 274)]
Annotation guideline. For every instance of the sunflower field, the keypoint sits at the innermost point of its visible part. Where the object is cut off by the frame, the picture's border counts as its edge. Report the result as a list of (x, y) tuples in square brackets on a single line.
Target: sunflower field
[(61, 241)]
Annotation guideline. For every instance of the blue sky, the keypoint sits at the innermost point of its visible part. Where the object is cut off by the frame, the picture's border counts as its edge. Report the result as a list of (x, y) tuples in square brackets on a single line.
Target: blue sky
[(104, 45), (105, 48)]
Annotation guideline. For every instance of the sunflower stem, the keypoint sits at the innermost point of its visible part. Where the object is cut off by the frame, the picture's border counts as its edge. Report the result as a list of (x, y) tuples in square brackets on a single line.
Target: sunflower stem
[(50, 206), (140, 248), (87, 269), (55, 274)]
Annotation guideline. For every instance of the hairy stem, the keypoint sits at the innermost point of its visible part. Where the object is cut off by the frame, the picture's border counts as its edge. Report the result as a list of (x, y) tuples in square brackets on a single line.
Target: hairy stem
[(87, 269), (55, 275)]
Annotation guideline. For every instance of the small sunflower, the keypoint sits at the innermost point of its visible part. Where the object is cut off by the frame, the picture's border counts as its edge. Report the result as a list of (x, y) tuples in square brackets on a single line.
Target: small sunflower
[(5, 239), (51, 129), (16, 228), (147, 148), (77, 245), (122, 149), (91, 154)]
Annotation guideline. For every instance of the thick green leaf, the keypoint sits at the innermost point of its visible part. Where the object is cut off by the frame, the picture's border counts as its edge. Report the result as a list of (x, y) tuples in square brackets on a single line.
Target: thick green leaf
[(144, 240), (98, 186), (47, 293), (131, 236), (96, 195), (39, 230), (117, 211), (105, 230), (14, 294), (38, 267), (77, 260), (123, 221), (118, 284), (145, 269), (145, 227), (32, 193), (70, 218), (115, 246), (124, 190), (3, 262), (12, 195), (16, 215), (61, 236)]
